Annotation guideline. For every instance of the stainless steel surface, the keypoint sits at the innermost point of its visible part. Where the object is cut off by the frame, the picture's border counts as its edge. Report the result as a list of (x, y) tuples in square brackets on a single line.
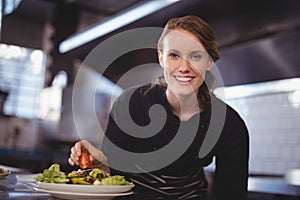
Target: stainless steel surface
[(272, 185), (17, 187), (293, 177), (256, 89)]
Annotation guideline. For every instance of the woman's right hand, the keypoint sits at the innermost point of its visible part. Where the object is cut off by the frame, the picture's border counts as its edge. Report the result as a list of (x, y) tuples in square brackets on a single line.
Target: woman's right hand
[(96, 157)]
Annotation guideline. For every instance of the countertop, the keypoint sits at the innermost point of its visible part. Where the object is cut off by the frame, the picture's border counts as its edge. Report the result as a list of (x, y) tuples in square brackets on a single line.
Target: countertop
[(273, 185), (18, 186)]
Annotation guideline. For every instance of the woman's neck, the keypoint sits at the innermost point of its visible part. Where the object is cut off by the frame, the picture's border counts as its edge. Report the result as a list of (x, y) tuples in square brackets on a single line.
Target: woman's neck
[(184, 107)]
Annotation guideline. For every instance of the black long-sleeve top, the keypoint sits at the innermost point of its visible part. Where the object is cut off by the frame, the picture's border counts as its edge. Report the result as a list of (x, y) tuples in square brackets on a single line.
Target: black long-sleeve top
[(163, 159)]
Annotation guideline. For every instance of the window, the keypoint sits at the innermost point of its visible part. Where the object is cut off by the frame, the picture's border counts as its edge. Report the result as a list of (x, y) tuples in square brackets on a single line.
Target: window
[(22, 74)]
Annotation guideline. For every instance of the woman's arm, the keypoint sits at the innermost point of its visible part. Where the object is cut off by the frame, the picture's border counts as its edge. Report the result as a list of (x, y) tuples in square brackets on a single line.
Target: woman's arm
[(231, 178)]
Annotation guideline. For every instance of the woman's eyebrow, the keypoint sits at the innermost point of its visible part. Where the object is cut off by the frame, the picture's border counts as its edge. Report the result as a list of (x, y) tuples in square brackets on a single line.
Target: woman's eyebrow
[(198, 51), (177, 51), (172, 50)]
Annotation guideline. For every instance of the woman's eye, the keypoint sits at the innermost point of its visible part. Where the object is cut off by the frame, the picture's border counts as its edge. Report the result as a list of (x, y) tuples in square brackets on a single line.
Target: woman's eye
[(196, 57), (173, 55)]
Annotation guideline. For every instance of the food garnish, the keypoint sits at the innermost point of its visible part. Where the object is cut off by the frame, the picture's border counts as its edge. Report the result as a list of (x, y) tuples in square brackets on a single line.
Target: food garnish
[(84, 160)]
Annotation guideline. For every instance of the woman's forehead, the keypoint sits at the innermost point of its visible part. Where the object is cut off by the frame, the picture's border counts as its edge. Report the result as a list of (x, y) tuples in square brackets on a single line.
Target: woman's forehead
[(180, 39)]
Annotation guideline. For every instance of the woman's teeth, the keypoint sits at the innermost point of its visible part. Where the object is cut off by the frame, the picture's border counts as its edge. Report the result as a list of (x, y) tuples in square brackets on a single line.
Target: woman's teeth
[(183, 79)]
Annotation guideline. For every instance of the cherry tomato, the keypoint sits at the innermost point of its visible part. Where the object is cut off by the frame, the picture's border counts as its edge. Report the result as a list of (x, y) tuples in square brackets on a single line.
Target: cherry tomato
[(84, 160)]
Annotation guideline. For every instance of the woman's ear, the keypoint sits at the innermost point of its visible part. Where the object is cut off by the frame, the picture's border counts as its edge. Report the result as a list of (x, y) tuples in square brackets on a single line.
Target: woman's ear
[(160, 57), (210, 64)]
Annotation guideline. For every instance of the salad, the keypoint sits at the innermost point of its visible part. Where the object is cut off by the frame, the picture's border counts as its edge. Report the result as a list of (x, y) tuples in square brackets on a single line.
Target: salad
[(87, 177), (3, 171)]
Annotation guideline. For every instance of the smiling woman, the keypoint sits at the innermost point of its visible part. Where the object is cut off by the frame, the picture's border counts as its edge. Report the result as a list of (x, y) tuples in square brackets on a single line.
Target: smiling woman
[(190, 118)]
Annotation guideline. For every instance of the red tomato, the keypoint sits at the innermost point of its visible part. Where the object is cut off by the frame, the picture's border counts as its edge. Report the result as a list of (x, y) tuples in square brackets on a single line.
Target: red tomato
[(84, 160)]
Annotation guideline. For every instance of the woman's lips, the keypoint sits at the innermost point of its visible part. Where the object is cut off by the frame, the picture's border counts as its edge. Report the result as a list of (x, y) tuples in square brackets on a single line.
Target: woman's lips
[(184, 79)]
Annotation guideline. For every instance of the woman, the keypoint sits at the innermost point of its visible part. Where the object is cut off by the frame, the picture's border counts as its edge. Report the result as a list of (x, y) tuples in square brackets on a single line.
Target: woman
[(187, 51)]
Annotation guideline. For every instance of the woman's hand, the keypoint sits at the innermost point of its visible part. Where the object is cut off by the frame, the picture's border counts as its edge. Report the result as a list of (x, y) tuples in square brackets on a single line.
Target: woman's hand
[(96, 157)]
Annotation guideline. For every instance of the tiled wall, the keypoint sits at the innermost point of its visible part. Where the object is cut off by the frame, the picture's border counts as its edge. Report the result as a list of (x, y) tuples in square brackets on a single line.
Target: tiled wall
[(273, 120)]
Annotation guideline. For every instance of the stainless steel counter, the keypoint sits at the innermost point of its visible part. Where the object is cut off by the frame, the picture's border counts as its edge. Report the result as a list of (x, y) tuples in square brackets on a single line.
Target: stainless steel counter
[(18, 186), (273, 185)]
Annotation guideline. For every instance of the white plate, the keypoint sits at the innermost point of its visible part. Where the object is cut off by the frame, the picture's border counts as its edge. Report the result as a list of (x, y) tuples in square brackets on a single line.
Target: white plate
[(83, 196), (95, 189)]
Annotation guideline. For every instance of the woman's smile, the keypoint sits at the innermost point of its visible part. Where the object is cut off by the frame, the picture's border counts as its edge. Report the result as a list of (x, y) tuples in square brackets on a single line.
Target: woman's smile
[(184, 80)]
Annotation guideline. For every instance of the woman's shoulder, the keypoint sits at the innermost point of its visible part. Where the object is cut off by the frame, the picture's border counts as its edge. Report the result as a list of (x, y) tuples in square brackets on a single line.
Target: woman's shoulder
[(234, 128), (230, 111), (232, 118)]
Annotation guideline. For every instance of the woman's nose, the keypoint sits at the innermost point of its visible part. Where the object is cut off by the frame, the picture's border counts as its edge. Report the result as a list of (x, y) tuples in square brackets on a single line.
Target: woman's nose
[(184, 65)]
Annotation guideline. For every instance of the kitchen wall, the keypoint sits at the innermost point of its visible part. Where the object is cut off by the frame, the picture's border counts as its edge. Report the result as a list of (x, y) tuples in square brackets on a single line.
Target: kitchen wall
[(271, 111), (18, 133)]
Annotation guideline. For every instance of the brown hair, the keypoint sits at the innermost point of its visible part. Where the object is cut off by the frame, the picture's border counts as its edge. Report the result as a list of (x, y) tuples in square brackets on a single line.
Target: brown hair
[(207, 38)]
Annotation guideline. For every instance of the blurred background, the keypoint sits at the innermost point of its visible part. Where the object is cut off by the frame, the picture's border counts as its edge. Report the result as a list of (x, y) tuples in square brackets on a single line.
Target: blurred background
[(43, 46)]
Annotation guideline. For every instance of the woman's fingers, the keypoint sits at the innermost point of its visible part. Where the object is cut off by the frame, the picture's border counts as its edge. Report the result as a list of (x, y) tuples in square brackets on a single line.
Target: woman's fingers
[(96, 157), (71, 162), (75, 154), (78, 148)]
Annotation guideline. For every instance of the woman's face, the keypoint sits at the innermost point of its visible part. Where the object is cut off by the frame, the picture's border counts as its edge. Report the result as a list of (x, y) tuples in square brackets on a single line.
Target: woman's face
[(184, 61)]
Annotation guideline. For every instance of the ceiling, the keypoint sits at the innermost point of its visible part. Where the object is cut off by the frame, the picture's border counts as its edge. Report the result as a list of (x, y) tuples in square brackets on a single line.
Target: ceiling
[(44, 9), (241, 27), (242, 20)]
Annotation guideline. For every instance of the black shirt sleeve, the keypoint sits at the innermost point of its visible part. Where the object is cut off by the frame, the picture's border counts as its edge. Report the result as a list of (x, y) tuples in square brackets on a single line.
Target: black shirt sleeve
[(231, 176)]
